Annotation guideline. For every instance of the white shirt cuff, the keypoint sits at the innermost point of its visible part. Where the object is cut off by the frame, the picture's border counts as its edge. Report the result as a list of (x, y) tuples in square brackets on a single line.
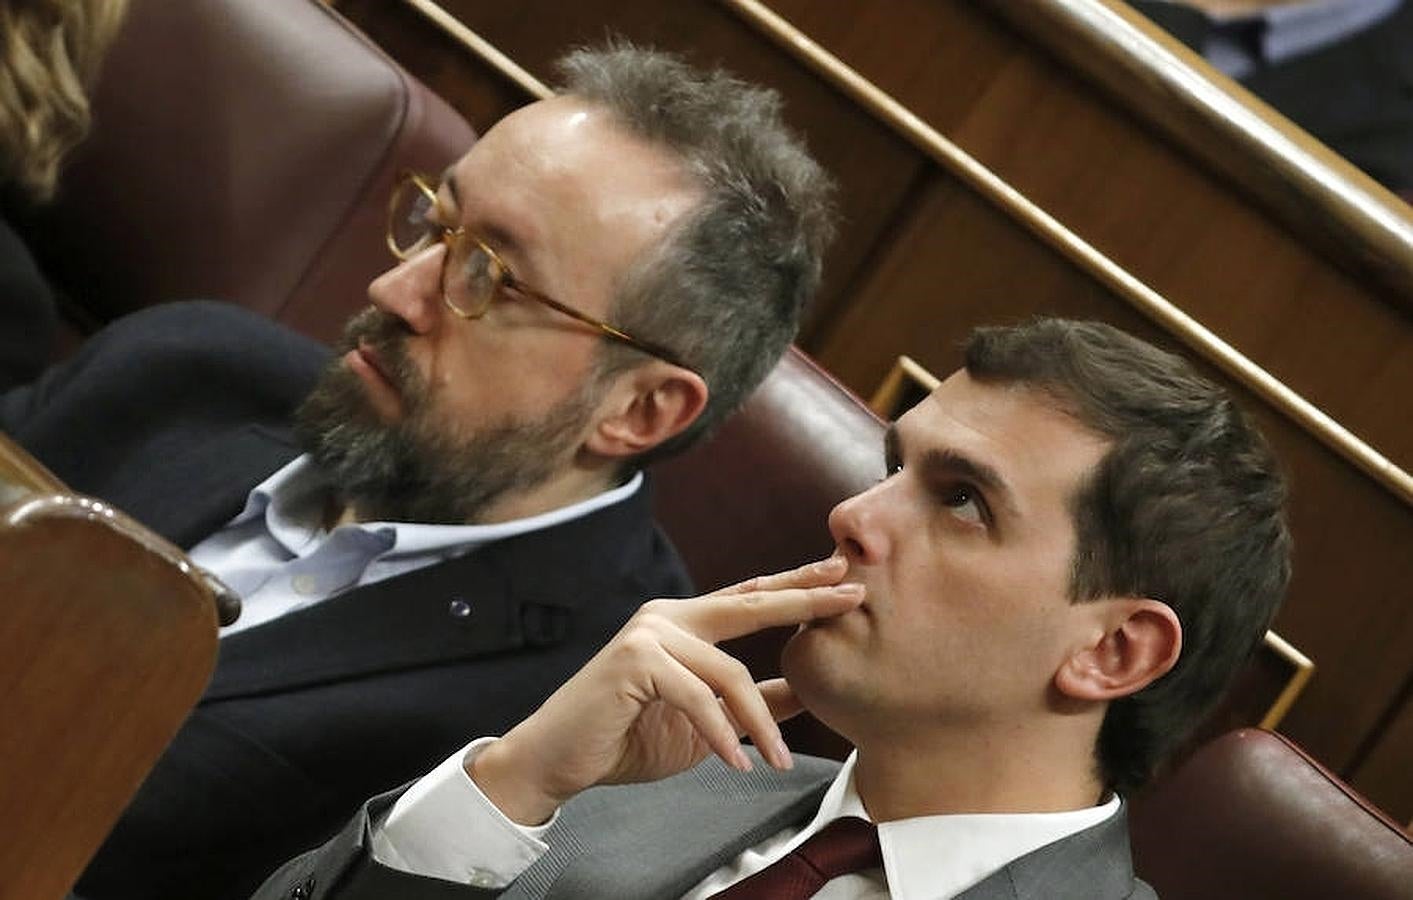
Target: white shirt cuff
[(444, 827)]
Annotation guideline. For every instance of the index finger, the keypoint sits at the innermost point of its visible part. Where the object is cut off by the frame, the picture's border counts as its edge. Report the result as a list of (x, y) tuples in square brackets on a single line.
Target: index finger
[(719, 617), (819, 573)]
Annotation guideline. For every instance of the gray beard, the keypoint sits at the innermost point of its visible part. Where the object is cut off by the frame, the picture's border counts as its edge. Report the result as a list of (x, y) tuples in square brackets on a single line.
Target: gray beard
[(419, 469)]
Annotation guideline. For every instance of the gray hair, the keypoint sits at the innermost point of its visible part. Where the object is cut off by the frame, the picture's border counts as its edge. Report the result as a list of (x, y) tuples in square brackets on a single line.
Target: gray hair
[(727, 287)]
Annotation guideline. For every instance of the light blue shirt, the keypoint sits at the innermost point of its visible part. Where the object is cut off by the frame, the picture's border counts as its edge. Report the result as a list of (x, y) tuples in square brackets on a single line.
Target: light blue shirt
[(278, 556), (1287, 31)]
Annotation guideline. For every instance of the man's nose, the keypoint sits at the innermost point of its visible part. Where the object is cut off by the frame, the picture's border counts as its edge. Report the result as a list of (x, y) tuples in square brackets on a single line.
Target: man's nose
[(412, 290), (858, 526)]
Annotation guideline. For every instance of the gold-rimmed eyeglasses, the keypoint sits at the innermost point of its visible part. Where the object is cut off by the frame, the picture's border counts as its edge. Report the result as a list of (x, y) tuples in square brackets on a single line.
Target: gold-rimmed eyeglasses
[(472, 272)]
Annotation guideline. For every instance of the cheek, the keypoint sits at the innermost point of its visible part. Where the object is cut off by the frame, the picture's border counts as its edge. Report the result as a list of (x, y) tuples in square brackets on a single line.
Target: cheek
[(970, 600)]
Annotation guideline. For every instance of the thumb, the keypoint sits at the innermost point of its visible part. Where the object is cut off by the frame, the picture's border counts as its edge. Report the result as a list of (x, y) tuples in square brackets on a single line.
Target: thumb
[(780, 699)]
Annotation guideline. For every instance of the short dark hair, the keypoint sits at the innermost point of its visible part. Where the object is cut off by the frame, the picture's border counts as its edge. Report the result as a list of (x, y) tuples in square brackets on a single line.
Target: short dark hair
[(1186, 507), (727, 287)]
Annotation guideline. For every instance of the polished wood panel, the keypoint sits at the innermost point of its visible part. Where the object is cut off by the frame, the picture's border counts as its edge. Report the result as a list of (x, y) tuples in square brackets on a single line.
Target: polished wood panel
[(1354, 219), (105, 646), (1385, 769), (925, 256), (1082, 253), (1139, 199)]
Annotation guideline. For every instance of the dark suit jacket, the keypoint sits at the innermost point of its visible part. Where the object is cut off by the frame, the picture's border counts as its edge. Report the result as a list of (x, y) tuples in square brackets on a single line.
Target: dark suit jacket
[(656, 841), (1355, 95), (29, 322), (173, 414)]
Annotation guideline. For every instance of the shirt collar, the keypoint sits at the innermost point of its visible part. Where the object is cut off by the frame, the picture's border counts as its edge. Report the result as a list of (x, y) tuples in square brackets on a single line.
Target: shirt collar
[(1306, 27), (977, 845), (291, 501), (1290, 30)]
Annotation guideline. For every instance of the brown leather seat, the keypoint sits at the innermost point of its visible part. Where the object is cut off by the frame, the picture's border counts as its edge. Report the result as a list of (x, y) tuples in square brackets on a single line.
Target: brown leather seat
[(243, 150), (755, 497), (1251, 815)]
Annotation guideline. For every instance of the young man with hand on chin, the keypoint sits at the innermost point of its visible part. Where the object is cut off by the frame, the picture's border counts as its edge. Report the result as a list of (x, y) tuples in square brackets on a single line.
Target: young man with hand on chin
[(1077, 544)]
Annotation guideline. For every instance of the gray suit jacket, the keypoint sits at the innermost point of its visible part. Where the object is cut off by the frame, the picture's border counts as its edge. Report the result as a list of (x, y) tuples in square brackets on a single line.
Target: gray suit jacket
[(658, 840)]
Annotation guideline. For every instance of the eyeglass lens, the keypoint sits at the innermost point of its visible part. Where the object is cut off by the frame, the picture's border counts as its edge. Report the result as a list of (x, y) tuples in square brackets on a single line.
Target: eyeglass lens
[(410, 224)]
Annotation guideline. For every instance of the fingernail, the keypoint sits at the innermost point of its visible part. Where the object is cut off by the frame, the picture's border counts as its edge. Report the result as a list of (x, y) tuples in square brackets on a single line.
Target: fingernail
[(741, 761), (831, 563), (782, 755), (848, 590)]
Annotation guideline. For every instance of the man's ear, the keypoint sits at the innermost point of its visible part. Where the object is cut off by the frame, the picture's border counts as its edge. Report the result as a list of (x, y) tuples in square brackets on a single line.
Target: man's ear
[(644, 407), (1133, 643)]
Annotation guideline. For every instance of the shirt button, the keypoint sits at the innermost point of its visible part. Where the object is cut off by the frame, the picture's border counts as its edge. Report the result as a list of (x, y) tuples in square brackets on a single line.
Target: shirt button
[(482, 878), (305, 584), (459, 608), (304, 890)]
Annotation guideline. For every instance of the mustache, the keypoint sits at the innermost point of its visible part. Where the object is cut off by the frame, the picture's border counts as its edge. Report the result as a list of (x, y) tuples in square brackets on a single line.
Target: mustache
[(386, 335)]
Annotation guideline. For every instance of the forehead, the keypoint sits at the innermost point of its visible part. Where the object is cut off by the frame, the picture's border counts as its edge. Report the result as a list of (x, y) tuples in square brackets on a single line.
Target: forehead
[(571, 195), (566, 157), (1039, 451)]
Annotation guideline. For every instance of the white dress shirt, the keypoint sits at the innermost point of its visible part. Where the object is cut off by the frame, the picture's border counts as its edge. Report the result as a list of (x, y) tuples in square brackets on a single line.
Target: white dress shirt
[(278, 557), (444, 827)]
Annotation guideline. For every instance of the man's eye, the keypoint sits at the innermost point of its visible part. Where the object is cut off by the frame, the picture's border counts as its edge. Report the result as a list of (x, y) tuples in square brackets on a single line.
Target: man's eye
[(964, 503), (423, 213), (482, 273)]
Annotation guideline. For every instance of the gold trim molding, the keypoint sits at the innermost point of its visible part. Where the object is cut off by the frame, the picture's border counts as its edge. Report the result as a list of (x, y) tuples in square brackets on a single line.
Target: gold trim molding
[(1149, 302), (1301, 669), (457, 30)]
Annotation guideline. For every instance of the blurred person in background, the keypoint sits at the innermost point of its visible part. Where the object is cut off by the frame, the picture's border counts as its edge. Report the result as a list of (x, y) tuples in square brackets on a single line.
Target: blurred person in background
[(1340, 69), (50, 52)]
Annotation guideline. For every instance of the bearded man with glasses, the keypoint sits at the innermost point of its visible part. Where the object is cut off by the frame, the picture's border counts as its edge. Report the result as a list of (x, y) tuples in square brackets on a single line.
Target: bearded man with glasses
[(460, 519)]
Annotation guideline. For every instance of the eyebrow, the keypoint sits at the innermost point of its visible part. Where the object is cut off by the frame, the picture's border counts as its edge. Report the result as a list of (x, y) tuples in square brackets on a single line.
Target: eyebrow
[(447, 179), (946, 461), (505, 242)]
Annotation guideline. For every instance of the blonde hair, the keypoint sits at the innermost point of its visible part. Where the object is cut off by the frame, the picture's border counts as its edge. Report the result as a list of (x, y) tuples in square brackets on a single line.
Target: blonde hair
[(50, 51)]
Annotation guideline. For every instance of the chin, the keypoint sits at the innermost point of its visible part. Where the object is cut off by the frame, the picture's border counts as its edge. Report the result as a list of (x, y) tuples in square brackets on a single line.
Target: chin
[(819, 680), (807, 661)]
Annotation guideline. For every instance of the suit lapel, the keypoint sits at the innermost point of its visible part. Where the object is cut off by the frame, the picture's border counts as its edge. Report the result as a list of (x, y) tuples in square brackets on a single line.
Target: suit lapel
[(207, 487), (392, 625), (658, 840), (522, 591), (1094, 863)]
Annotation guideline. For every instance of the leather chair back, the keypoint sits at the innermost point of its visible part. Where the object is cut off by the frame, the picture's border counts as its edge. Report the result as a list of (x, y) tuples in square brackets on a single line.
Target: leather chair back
[(755, 496), (1252, 815), (242, 150)]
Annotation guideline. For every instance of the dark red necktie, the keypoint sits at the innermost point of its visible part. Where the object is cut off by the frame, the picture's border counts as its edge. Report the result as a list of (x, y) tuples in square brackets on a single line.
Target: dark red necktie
[(843, 846)]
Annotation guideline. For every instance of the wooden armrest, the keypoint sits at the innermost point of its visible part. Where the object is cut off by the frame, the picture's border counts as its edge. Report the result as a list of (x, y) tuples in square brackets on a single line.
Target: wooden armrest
[(108, 639)]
